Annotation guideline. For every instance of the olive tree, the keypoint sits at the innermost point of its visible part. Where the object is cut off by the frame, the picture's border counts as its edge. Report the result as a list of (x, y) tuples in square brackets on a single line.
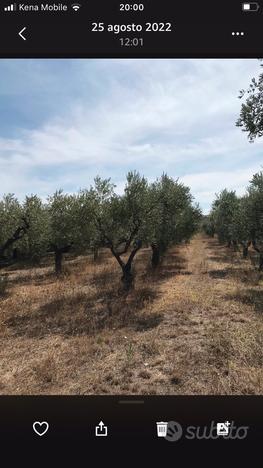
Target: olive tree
[(89, 205), (63, 225), (120, 219), (240, 220), (251, 113), (255, 193), (208, 224), (251, 122), (224, 209), (13, 224), (188, 222), (35, 242), (173, 218), (241, 226)]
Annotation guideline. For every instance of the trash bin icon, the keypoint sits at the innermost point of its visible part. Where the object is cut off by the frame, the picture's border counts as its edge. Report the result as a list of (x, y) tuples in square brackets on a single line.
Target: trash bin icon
[(162, 429)]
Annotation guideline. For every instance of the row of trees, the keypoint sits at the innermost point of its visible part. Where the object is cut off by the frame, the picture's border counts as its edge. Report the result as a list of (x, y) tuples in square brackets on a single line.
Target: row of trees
[(157, 214), (239, 220)]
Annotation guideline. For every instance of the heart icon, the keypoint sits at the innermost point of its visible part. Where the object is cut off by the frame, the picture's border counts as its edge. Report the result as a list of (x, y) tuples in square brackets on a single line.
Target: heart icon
[(40, 428)]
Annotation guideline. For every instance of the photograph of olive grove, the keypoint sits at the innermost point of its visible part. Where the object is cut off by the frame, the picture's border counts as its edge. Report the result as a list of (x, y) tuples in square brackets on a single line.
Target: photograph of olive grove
[(131, 227)]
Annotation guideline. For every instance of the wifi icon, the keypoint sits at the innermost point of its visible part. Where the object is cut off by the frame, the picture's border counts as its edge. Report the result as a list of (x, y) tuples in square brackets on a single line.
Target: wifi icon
[(76, 6)]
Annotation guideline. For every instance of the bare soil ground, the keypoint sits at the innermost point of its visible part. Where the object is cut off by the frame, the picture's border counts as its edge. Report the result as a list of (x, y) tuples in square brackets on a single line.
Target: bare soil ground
[(194, 326)]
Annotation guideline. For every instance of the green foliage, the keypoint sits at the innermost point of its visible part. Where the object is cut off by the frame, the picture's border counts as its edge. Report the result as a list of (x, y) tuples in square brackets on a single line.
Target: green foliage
[(255, 194), (13, 223), (208, 224), (36, 242), (89, 237), (240, 220), (251, 113), (120, 219), (64, 225), (173, 218), (189, 222), (223, 211), (241, 229), (10, 216), (161, 212), (251, 121)]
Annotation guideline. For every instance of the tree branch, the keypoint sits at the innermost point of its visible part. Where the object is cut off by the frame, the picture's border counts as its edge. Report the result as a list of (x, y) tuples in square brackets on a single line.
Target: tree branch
[(134, 252), (17, 235)]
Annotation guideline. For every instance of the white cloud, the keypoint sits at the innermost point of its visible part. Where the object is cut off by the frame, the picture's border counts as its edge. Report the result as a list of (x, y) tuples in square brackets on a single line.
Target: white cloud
[(171, 115), (204, 186)]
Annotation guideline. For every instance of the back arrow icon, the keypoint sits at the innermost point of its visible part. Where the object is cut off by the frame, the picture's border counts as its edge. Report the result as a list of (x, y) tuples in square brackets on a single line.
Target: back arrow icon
[(21, 33)]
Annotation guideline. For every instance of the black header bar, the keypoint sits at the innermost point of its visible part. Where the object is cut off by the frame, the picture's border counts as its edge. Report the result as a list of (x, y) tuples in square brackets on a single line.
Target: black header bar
[(136, 29)]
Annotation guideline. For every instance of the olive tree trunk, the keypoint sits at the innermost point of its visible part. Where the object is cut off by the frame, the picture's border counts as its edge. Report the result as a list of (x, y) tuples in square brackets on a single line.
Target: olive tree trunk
[(59, 253), (127, 273), (259, 249), (155, 255)]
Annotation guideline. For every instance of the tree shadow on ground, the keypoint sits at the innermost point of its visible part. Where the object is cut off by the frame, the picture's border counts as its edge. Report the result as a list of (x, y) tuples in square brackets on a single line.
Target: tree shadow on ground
[(247, 276), (33, 278), (17, 265), (104, 306), (243, 275), (213, 244), (26, 272), (219, 258), (147, 323), (105, 277), (218, 274), (171, 265), (82, 315), (252, 297)]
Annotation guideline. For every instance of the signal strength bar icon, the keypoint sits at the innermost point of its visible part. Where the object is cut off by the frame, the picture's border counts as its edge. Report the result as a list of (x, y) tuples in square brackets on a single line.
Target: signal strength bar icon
[(11, 7), (76, 6)]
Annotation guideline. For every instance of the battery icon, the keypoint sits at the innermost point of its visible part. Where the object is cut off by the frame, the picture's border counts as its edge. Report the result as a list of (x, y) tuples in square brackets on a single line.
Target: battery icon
[(252, 6)]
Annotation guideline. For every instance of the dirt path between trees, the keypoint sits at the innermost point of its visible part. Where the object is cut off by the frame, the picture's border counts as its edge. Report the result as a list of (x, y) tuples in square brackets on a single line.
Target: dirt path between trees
[(212, 331)]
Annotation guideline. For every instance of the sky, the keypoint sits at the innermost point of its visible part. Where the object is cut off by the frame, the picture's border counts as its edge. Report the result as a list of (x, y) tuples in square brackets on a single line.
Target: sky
[(62, 122)]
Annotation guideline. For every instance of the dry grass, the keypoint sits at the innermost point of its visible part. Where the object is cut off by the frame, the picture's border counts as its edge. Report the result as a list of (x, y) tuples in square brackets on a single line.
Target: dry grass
[(194, 326)]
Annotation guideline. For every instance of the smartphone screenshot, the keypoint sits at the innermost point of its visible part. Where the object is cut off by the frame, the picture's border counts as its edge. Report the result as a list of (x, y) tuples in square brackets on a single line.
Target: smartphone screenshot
[(131, 226)]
